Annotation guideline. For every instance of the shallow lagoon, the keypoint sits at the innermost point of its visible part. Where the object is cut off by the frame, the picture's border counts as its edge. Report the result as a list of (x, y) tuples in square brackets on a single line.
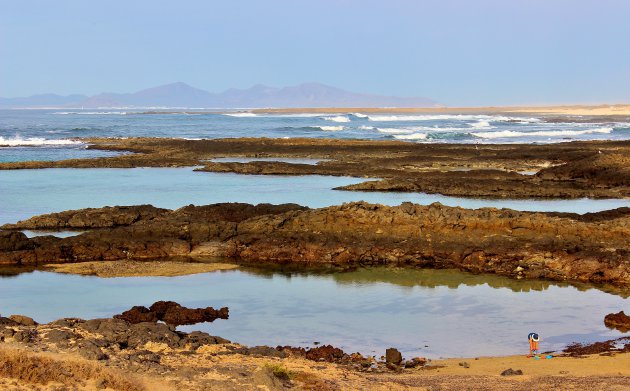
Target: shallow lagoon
[(435, 313), (24, 193)]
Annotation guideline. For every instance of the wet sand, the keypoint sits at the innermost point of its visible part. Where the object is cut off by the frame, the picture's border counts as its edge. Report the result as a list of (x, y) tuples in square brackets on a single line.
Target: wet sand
[(109, 269)]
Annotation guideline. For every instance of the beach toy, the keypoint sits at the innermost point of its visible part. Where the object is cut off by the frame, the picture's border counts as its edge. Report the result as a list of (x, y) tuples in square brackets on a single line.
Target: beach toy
[(536, 357), (549, 356)]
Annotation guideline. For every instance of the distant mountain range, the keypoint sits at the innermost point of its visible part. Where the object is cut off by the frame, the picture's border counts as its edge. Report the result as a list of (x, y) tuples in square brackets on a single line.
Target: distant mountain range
[(181, 95)]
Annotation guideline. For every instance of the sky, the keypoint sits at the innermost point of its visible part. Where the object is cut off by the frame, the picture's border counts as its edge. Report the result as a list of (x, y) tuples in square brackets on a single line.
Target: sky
[(458, 52)]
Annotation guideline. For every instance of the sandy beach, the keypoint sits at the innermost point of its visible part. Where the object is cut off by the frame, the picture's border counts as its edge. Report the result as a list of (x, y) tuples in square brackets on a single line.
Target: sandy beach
[(75, 354), (568, 110)]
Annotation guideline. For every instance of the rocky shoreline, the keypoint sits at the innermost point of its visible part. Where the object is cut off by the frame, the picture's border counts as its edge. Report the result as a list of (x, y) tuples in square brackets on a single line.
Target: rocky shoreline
[(589, 248), (113, 353), (594, 169)]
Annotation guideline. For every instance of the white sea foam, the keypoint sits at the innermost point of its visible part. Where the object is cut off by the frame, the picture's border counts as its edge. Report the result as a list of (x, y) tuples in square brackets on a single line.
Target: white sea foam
[(397, 130), (338, 118), (363, 127), (541, 133), (413, 136), (331, 128), (359, 115), (34, 142), (481, 124), (240, 114), (90, 113)]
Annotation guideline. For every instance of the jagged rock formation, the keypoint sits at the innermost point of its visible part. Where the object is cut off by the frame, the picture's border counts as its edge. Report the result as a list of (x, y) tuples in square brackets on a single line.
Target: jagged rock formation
[(172, 313), (619, 321), (558, 246)]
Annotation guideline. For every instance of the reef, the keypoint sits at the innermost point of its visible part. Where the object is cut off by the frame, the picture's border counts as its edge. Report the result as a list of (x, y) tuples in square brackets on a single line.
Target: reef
[(594, 169), (558, 246)]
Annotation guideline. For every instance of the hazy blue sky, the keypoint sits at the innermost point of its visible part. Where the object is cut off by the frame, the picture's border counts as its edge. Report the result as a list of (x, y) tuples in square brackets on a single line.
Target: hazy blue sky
[(466, 52)]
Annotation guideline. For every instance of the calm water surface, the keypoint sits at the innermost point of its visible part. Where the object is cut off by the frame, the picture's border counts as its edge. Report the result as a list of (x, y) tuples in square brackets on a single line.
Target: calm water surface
[(435, 313), (24, 193)]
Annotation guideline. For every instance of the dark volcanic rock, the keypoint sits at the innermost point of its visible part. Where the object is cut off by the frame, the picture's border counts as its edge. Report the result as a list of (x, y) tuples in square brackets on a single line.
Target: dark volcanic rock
[(326, 353), (614, 345), (393, 356), (196, 339), (90, 351), (173, 314), (619, 321), (557, 246), (106, 217), (138, 314), (23, 320), (14, 241), (141, 333), (118, 332)]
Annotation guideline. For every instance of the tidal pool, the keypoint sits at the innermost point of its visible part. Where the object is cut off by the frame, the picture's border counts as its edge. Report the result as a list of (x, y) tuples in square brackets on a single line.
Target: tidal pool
[(308, 161), (434, 313), (25, 193), (59, 234)]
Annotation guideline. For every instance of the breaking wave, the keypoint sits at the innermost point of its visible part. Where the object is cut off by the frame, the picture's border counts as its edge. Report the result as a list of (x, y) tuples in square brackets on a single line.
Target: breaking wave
[(34, 142), (240, 114), (330, 128), (397, 130), (338, 118), (540, 133), (413, 136), (481, 124)]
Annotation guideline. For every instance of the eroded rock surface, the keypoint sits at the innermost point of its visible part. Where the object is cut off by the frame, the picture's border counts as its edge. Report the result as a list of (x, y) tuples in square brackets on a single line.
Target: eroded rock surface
[(619, 321), (590, 248), (172, 313), (106, 217), (596, 169)]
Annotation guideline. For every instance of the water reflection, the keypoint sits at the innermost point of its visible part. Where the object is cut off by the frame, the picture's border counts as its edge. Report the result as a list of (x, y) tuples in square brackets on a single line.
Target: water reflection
[(430, 278), (422, 312)]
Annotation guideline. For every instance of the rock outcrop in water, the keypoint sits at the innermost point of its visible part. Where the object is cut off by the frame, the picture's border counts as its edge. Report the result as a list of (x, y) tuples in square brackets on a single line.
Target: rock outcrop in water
[(106, 217), (595, 169), (557, 246), (172, 313), (619, 321)]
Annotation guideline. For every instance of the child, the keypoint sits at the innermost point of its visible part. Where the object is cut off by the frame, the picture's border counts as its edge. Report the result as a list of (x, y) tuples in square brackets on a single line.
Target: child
[(533, 343)]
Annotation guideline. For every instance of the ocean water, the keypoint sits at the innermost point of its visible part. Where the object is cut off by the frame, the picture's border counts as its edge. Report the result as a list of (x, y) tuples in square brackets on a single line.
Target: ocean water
[(434, 313), (25, 193), (55, 129)]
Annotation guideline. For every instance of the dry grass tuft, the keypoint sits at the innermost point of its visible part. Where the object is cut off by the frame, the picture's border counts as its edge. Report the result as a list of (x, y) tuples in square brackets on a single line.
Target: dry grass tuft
[(42, 369)]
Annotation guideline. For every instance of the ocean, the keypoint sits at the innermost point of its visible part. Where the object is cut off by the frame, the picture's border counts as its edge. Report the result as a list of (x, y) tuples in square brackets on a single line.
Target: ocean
[(51, 134)]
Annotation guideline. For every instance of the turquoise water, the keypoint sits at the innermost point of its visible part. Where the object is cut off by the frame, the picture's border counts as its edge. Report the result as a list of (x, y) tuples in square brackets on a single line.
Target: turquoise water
[(24, 154), (25, 193), (435, 313)]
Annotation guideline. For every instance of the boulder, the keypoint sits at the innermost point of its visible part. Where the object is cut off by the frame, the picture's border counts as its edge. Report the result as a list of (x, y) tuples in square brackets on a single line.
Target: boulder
[(393, 356)]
